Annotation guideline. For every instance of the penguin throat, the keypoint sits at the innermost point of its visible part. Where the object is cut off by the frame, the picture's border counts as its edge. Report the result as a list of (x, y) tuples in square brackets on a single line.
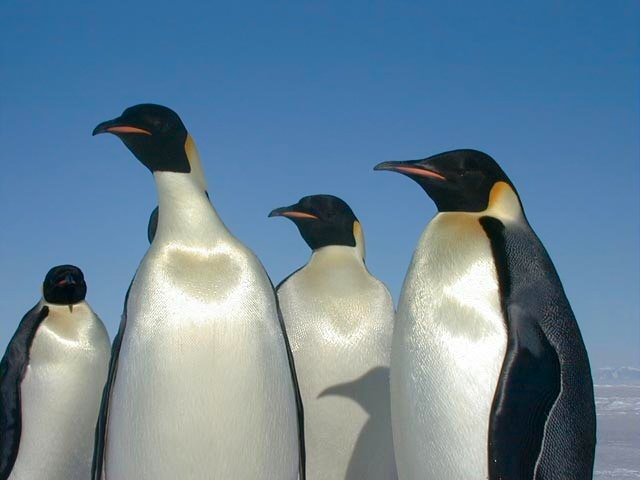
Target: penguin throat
[(336, 253), (184, 209)]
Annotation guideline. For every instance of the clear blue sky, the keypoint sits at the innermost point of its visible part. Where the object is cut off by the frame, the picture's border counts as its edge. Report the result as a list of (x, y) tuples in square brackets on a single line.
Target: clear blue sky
[(287, 99)]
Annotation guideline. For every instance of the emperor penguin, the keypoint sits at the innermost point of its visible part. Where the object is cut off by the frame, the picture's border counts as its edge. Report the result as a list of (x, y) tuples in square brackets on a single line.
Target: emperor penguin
[(340, 321), (489, 374), (51, 380), (201, 383)]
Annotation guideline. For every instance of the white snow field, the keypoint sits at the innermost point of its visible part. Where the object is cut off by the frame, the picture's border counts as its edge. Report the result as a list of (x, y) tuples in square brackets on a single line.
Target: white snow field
[(618, 448)]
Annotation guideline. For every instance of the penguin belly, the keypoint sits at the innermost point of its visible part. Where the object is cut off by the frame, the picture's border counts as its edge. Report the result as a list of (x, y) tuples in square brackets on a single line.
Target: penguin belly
[(448, 347), (60, 395), (339, 321), (203, 388)]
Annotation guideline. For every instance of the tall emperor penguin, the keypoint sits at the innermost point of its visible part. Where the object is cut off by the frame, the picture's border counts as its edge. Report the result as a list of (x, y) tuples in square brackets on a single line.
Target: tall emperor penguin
[(340, 320), (51, 380), (201, 385), (489, 374)]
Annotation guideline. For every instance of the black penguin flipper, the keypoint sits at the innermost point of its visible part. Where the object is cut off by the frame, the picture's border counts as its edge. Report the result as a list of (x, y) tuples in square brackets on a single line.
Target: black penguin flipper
[(287, 278), (12, 370), (528, 387), (153, 224), (546, 358), (302, 469), (100, 441)]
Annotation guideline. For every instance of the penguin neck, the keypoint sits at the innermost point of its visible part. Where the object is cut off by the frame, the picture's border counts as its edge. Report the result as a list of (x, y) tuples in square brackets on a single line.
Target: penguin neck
[(504, 204), (68, 322), (358, 235), (185, 211), (335, 254)]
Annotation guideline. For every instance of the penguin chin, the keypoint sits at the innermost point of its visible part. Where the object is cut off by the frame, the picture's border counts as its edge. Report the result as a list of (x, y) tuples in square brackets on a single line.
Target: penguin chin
[(158, 155), (68, 295)]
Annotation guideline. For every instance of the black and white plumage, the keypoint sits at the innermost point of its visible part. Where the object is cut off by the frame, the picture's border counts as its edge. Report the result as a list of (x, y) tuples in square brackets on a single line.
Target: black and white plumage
[(489, 374), (339, 318), (200, 383), (51, 380)]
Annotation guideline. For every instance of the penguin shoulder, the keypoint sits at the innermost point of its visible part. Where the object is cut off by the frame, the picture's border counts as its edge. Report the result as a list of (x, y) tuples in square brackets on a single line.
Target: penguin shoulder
[(77, 327), (336, 273), (336, 268)]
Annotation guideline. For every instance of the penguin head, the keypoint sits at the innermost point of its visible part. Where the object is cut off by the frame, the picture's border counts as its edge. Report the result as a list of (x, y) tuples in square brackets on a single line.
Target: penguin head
[(323, 220), (154, 134), (64, 285), (457, 181)]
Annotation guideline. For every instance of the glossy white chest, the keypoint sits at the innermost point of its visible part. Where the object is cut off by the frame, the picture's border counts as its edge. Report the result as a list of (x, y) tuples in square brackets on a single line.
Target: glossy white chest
[(339, 320), (448, 348), (203, 387), (60, 395)]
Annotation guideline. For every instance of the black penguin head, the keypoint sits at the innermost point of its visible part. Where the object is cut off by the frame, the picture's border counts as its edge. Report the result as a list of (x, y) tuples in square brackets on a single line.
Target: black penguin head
[(457, 181), (154, 134), (64, 285), (322, 220)]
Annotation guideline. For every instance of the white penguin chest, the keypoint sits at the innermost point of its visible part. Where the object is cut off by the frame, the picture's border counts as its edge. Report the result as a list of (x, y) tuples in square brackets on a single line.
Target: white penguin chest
[(335, 310), (448, 350), (60, 395), (202, 348), (339, 320)]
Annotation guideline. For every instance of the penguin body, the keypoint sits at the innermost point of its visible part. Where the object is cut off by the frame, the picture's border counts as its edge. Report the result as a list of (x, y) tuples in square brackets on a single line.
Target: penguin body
[(339, 319), (489, 374), (51, 381), (201, 386)]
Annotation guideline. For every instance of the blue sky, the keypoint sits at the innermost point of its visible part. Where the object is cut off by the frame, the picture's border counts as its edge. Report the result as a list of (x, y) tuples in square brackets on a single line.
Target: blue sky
[(286, 99)]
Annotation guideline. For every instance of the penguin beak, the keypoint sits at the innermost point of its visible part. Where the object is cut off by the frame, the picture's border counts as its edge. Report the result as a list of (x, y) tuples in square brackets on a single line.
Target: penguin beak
[(412, 168), (291, 212), (67, 280), (117, 127)]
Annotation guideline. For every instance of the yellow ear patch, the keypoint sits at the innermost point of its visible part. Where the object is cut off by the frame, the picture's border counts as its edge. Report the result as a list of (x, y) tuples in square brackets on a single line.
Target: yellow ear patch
[(503, 201), (194, 162), (190, 146), (357, 229), (359, 237)]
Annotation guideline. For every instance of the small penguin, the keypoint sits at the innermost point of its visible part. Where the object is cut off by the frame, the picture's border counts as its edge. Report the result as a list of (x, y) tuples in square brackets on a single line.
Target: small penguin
[(340, 320), (489, 374), (51, 380), (201, 383)]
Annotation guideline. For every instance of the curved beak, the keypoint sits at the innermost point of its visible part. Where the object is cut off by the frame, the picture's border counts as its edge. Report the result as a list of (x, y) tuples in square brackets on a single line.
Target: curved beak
[(416, 168), (117, 126), (291, 212)]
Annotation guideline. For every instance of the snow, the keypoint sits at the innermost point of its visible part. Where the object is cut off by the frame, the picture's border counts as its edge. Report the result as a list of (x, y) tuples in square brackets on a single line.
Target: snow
[(618, 449)]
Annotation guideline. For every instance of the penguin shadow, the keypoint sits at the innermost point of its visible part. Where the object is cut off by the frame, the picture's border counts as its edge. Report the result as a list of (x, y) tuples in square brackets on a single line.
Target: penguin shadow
[(373, 456)]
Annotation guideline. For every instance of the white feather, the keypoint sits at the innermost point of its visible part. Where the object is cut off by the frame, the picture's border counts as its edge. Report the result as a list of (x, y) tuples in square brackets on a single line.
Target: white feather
[(203, 388), (448, 347), (340, 320), (60, 395)]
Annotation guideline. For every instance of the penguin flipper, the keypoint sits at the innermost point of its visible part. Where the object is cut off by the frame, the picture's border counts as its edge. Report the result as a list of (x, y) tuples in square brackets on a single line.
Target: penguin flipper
[(287, 278), (12, 370), (528, 387), (294, 377), (153, 224), (100, 442)]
